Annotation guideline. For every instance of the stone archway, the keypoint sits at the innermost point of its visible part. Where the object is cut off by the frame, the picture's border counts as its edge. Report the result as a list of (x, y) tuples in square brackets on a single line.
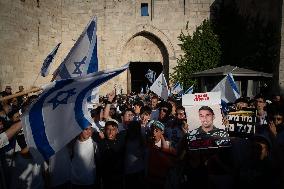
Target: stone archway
[(145, 44)]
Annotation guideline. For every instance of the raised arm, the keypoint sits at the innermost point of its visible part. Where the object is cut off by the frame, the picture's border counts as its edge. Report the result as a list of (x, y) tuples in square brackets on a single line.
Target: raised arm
[(107, 107), (9, 133)]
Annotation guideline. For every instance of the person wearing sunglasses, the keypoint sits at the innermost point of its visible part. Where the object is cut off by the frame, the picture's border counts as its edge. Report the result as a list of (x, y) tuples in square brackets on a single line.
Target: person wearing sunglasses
[(177, 127), (165, 112)]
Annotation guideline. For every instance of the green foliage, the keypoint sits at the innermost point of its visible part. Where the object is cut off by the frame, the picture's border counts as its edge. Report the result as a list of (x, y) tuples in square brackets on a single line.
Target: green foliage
[(202, 51)]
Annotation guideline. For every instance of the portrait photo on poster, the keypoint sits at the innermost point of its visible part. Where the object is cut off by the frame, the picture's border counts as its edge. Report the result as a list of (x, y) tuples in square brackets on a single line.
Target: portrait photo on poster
[(211, 103), (204, 115)]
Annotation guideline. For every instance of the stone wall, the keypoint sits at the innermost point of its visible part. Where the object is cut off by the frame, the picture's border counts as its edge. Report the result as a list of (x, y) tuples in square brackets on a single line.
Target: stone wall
[(30, 29), (279, 72)]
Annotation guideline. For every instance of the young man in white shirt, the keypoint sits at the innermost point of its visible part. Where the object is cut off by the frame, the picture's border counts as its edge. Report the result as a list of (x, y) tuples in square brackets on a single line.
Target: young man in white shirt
[(83, 171)]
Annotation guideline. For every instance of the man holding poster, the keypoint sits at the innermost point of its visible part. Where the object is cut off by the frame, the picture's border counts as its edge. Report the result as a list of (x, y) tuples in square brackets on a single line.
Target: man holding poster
[(205, 120), (206, 148)]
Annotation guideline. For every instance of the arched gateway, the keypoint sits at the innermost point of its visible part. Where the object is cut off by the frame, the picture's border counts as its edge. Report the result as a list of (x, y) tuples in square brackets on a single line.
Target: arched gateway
[(145, 48)]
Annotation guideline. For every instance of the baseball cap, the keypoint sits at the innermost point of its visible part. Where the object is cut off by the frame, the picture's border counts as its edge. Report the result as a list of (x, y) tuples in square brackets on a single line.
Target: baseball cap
[(157, 124), (112, 120)]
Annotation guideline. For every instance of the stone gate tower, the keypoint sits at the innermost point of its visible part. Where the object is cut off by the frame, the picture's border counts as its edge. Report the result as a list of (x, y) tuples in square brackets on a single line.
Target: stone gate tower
[(142, 32)]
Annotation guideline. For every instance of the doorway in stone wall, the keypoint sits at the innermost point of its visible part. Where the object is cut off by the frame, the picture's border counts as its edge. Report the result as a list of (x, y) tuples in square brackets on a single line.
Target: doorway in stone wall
[(137, 71)]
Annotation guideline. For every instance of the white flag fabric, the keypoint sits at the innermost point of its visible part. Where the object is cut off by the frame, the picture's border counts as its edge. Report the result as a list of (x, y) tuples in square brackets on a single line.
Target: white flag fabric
[(93, 98), (160, 87), (82, 58), (229, 89), (142, 90), (189, 90), (150, 75), (60, 113), (177, 88), (48, 60)]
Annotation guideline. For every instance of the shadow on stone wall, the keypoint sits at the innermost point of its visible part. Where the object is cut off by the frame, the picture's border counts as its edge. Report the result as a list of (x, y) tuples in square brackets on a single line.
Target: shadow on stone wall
[(250, 32)]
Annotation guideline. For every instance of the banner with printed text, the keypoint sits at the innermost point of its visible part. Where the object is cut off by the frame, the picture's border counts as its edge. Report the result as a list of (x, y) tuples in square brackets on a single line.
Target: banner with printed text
[(242, 123)]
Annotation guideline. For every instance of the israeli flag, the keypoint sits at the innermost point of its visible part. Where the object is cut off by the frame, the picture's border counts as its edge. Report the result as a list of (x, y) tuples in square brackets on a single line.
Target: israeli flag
[(82, 58), (151, 75), (60, 113), (229, 89), (48, 60), (177, 88), (189, 90), (160, 87)]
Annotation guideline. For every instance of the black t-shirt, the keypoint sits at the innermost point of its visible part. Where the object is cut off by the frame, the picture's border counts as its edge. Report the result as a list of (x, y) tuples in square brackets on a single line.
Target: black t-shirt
[(111, 156), (200, 139)]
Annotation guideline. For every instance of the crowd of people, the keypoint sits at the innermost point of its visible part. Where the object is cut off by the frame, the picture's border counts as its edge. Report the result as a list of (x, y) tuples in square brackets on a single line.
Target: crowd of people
[(142, 141)]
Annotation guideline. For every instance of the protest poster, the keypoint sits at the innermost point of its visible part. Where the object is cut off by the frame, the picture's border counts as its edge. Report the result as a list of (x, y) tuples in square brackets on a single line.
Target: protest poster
[(193, 102), (205, 121), (242, 123)]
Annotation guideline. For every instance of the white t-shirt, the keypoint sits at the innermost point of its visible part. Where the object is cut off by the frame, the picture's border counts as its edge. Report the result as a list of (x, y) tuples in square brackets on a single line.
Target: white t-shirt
[(3, 140), (83, 162)]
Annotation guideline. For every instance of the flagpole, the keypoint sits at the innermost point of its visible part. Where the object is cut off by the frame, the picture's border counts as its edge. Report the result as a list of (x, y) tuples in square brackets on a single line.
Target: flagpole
[(32, 90), (234, 69), (36, 79)]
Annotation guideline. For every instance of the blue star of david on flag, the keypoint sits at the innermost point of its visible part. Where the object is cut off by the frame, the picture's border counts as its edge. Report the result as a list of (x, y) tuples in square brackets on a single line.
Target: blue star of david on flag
[(60, 113), (77, 65), (57, 100), (82, 58)]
